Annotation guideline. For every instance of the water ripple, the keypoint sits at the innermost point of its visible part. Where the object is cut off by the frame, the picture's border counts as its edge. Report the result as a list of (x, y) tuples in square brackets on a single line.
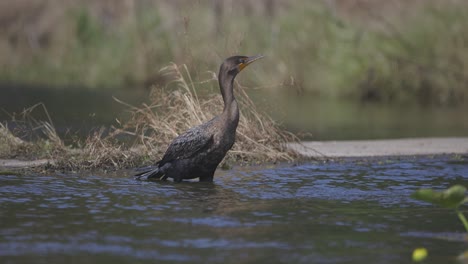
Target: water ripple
[(352, 211)]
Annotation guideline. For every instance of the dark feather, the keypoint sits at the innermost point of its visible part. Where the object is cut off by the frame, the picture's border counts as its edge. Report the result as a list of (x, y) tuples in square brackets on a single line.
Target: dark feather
[(188, 144)]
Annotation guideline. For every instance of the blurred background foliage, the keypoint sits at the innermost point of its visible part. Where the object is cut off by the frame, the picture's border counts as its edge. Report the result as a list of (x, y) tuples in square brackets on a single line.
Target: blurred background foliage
[(382, 50)]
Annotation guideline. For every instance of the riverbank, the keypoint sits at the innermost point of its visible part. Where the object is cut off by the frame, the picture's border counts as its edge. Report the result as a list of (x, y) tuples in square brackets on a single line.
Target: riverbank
[(332, 149), (378, 148)]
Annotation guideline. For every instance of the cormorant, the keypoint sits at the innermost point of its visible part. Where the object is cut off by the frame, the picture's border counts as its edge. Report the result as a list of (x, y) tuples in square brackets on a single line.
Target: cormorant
[(197, 152)]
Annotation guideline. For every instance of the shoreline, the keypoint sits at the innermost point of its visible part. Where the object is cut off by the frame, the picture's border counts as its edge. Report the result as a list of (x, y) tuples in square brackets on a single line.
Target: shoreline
[(333, 149), (381, 148)]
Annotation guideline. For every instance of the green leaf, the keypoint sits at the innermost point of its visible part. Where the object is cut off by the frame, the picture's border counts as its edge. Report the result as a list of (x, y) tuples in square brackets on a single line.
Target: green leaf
[(426, 195), (450, 198), (419, 254)]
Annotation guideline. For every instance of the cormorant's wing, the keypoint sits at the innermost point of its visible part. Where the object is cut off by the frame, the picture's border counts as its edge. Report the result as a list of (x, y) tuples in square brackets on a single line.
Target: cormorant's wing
[(187, 145)]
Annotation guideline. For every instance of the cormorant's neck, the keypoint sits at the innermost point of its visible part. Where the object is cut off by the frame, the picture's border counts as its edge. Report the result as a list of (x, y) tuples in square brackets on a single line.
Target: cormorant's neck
[(226, 84)]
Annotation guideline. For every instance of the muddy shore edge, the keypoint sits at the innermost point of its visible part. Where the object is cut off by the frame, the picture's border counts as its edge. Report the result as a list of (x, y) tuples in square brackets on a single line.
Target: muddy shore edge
[(381, 148), (334, 149)]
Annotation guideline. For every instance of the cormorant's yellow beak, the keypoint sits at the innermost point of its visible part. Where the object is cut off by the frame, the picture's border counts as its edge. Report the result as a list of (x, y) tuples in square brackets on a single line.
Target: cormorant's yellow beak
[(249, 60)]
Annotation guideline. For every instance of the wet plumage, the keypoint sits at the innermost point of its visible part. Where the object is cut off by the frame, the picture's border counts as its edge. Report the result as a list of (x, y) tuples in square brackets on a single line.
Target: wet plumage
[(197, 152)]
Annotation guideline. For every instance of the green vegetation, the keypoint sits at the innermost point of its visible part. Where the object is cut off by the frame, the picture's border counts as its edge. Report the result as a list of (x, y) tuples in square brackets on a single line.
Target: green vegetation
[(144, 137), (452, 198), (419, 254), (401, 52)]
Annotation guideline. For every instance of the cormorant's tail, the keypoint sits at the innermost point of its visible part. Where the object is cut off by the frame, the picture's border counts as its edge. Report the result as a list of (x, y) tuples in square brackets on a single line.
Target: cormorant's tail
[(146, 175), (154, 173)]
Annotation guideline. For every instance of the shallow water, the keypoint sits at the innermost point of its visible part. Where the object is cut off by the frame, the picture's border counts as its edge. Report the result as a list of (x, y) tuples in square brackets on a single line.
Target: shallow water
[(336, 212)]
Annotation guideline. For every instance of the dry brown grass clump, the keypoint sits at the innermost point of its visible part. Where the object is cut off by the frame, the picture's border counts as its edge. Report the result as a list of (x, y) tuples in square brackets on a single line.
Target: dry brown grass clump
[(98, 151), (44, 141), (173, 111), (32, 139), (9, 143)]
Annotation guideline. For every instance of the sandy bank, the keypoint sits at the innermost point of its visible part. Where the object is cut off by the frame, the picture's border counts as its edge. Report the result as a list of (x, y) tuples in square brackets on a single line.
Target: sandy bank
[(342, 149), (14, 163), (386, 147)]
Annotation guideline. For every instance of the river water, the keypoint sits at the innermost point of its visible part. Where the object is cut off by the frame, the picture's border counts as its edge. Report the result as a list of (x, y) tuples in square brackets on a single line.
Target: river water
[(335, 212), (76, 111)]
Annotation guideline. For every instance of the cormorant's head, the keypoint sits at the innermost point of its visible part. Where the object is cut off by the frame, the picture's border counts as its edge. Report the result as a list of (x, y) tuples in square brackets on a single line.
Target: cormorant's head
[(233, 65)]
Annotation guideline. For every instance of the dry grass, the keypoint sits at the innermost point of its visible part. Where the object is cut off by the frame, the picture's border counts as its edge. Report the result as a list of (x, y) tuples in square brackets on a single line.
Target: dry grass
[(99, 151), (32, 139), (9, 143), (43, 142), (173, 109)]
